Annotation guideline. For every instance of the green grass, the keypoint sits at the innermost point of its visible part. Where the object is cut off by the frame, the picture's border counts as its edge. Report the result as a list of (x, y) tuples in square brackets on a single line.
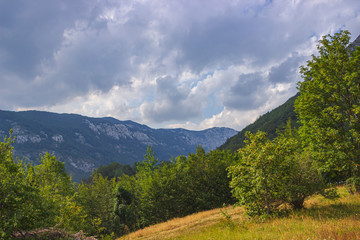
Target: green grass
[(322, 219)]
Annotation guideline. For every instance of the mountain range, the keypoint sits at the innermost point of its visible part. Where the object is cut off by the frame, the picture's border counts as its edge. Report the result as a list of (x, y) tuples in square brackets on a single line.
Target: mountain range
[(85, 143)]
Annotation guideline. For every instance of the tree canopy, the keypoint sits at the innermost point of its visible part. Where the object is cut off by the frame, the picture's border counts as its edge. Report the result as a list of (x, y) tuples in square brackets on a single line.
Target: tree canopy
[(270, 173), (329, 106)]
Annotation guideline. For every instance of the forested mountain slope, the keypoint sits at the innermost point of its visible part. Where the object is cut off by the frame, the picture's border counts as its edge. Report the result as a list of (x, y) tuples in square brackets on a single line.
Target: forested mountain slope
[(268, 123)]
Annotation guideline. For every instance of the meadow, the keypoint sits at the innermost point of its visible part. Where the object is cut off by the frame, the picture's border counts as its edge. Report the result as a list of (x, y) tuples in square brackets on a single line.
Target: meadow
[(321, 219)]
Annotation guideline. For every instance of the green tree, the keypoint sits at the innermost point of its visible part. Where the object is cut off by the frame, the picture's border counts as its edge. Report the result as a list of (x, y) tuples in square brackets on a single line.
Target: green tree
[(97, 201), (207, 180), (304, 178), (146, 195), (123, 215), (57, 194), (180, 187), (258, 179), (35, 196), (329, 107), (115, 169), (19, 202), (270, 173)]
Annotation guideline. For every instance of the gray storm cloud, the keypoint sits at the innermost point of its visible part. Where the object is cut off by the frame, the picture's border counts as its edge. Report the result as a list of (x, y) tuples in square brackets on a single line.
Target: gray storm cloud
[(62, 55), (172, 102)]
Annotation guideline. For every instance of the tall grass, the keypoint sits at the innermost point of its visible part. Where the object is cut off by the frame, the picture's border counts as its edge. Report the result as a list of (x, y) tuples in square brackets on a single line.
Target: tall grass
[(322, 219)]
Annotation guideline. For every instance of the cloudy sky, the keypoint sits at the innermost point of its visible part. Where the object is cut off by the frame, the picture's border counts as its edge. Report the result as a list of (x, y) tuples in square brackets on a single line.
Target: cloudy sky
[(181, 63)]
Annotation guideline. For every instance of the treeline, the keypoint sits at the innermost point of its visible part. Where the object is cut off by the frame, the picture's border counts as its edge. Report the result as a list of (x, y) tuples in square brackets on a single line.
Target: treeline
[(44, 196)]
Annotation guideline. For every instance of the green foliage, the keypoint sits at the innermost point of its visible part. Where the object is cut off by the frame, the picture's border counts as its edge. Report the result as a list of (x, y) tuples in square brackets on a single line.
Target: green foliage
[(149, 164), (206, 176), (270, 173), (353, 184), (305, 179), (33, 197), (260, 176), (183, 186), (123, 215), (18, 200), (56, 193), (44, 195), (145, 191), (96, 200), (329, 107), (114, 170)]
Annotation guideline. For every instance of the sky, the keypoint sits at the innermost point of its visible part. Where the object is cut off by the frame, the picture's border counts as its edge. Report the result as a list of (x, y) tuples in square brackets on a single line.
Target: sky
[(192, 64)]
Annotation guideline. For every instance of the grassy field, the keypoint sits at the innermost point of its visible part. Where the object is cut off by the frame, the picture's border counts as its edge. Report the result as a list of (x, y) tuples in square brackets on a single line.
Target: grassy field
[(322, 219)]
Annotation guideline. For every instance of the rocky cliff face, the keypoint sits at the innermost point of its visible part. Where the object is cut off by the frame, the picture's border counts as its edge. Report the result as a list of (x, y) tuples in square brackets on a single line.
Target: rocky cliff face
[(84, 143)]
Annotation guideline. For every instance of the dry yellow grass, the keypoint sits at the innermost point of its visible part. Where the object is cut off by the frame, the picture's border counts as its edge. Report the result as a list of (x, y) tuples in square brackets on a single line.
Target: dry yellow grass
[(176, 226), (323, 219)]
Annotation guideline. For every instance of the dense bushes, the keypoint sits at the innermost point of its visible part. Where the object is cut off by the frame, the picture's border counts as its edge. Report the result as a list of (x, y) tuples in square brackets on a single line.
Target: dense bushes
[(44, 195), (35, 196), (180, 187), (270, 173)]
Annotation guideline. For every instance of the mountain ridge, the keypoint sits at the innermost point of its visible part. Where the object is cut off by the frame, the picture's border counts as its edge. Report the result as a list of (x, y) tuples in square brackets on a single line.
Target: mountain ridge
[(84, 143), (270, 122)]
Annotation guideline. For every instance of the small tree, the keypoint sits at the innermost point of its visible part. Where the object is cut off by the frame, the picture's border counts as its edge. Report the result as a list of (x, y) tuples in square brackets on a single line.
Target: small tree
[(97, 200), (258, 179), (123, 215), (270, 173)]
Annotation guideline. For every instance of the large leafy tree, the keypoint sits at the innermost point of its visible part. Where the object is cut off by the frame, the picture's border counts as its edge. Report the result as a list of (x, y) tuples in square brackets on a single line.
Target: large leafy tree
[(329, 106)]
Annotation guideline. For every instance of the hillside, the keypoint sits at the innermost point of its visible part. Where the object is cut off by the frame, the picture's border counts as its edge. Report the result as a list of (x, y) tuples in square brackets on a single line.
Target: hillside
[(322, 219), (85, 143), (269, 123)]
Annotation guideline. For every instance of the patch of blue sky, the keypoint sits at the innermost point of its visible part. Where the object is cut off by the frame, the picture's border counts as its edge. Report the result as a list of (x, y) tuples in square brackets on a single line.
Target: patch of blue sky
[(204, 75), (256, 9), (212, 107)]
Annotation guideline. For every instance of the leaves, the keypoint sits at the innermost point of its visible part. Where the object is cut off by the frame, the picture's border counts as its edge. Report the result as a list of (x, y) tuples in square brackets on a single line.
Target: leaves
[(328, 106), (270, 173)]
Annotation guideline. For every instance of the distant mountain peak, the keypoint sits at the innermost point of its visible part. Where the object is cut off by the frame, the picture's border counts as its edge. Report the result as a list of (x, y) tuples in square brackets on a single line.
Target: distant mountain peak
[(85, 143)]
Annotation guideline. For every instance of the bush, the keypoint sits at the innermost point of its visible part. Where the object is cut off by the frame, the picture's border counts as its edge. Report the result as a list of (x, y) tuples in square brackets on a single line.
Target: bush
[(271, 173)]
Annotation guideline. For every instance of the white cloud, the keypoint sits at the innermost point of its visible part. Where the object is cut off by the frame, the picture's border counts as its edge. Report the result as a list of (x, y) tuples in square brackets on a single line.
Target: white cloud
[(163, 63)]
